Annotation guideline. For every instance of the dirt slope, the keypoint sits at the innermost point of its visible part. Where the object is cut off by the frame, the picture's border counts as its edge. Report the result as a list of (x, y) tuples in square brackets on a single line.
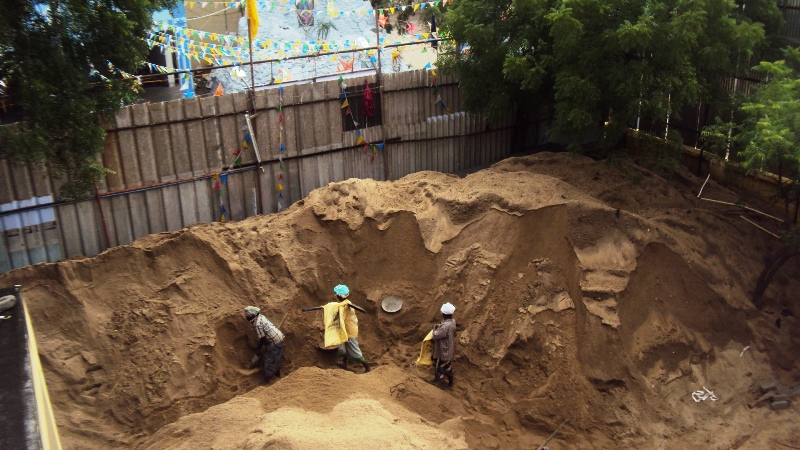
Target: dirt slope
[(597, 295)]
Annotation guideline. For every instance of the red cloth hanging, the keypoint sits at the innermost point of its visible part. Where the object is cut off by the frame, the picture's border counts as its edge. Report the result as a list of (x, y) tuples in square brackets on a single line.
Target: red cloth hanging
[(369, 101)]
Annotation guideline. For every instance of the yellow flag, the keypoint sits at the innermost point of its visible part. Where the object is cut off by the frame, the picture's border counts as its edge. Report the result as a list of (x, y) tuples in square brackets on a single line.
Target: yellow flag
[(345, 104), (360, 140), (252, 16), (280, 187), (416, 6)]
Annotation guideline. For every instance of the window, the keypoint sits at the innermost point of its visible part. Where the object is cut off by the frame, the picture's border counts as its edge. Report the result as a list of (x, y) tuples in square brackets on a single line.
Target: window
[(354, 111)]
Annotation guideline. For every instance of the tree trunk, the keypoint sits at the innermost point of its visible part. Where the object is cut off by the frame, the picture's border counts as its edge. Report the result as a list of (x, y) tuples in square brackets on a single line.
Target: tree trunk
[(770, 269), (520, 132)]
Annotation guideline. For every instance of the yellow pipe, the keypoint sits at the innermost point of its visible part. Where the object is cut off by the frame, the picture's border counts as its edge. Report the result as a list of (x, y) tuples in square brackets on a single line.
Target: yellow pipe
[(48, 431)]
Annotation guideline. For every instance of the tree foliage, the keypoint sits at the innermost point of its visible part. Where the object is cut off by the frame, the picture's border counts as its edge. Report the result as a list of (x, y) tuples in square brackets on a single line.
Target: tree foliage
[(598, 62), (63, 64), (770, 132)]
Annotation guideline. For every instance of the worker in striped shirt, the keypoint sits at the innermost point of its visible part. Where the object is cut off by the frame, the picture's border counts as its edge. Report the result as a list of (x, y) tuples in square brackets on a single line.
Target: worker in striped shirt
[(270, 342), (444, 336)]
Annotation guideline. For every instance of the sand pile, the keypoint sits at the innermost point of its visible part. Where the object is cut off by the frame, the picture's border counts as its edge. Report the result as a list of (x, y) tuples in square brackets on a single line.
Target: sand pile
[(351, 410), (597, 295)]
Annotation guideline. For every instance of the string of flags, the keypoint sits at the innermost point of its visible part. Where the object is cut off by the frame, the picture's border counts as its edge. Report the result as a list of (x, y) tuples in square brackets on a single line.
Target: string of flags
[(240, 43), (435, 86), (345, 65), (368, 108), (123, 74), (332, 12), (221, 179), (281, 148)]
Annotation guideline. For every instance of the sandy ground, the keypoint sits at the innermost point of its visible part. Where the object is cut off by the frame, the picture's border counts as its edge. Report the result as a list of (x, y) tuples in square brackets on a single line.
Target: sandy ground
[(597, 295)]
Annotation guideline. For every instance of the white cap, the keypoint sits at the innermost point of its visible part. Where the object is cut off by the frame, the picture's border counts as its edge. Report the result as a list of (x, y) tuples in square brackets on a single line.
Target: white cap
[(448, 309)]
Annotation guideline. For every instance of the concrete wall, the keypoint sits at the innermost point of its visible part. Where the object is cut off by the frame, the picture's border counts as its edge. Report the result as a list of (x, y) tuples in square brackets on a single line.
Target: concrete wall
[(762, 186), (165, 155)]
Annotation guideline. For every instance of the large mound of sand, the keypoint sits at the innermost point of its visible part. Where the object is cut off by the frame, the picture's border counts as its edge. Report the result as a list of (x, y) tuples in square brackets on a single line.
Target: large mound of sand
[(597, 295)]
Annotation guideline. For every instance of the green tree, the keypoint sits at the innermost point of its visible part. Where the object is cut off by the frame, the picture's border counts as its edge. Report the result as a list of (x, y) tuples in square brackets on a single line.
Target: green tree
[(598, 64), (771, 131), (768, 131), (64, 62)]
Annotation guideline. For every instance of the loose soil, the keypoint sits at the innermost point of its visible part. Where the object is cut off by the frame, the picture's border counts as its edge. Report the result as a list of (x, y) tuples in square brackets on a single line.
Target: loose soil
[(597, 295)]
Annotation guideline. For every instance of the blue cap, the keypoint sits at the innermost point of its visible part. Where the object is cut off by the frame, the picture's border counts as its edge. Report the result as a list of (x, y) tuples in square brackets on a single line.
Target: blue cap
[(341, 290)]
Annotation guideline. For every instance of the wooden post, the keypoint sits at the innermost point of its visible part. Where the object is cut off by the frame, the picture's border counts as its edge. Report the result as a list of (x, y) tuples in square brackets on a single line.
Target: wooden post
[(386, 165)]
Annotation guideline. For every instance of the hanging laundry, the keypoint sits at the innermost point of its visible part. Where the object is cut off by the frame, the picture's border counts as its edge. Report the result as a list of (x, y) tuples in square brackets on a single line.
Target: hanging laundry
[(369, 101)]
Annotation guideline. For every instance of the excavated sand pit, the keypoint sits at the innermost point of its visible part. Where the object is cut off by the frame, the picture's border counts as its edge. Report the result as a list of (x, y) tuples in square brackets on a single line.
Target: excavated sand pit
[(597, 295)]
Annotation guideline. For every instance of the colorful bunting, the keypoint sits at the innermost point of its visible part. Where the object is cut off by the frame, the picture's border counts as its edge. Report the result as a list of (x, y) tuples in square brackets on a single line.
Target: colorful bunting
[(281, 147)]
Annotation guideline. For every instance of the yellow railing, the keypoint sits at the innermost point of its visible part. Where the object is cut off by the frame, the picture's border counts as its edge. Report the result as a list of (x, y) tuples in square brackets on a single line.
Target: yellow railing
[(44, 410)]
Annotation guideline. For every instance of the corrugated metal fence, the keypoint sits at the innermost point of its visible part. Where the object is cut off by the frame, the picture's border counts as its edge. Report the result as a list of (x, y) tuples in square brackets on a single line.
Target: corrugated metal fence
[(165, 157)]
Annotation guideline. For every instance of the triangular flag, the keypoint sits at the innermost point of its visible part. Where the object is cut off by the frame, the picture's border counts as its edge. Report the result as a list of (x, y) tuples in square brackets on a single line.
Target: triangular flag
[(280, 187), (427, 66), (360, 140), (345, 104)]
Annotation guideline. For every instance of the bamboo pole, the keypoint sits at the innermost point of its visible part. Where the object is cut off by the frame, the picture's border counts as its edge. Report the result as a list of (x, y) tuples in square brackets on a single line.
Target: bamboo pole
[(743, 206), (760, 227), (551, 436), (703, 186)]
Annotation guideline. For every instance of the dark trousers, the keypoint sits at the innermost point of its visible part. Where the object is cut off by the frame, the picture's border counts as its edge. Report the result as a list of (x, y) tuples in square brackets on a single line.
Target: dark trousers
[(272, 360), (443, 369)]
